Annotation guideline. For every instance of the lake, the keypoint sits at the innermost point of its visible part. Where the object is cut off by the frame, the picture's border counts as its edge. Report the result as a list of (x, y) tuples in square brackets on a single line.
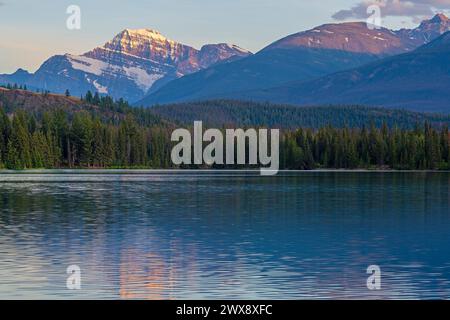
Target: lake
[(157, 235)]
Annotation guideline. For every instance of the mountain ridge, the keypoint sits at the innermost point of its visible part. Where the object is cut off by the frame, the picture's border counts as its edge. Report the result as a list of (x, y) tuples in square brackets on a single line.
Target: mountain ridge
[(418, 80), (302, 56)]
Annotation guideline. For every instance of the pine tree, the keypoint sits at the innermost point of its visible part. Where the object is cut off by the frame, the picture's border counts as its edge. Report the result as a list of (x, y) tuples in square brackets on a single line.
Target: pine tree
[(5, 131), (38, 147), (88, 97), (82, 137), (96, 99), (19, 147)]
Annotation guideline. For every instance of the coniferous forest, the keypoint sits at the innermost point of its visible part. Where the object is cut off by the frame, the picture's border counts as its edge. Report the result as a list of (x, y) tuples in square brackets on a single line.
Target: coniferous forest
[(111, 134)]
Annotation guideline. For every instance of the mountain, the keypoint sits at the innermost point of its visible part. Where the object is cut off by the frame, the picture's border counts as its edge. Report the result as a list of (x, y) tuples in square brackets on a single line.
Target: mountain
[(419, 80), (427, 30), (129, 66), (263, 70), (21, 76), (299, 57), (351, 37)]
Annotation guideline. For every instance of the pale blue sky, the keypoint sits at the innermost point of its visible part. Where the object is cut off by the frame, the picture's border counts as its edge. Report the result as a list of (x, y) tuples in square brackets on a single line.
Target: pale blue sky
[(34, 30)]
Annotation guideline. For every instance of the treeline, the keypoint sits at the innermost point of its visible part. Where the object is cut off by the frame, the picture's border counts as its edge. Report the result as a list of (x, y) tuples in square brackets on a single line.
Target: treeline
[(58, 139), (421, 148), (14, 86), (143, 116)]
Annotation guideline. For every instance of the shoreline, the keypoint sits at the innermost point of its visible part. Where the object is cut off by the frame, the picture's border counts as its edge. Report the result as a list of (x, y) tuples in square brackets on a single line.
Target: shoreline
[(203, 171)]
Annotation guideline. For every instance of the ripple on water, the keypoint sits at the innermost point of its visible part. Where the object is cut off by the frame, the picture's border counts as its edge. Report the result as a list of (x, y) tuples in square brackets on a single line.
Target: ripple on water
[(156, 236)]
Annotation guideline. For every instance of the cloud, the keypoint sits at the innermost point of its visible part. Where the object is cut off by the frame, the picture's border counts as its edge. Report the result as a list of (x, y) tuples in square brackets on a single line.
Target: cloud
[(395, 8)]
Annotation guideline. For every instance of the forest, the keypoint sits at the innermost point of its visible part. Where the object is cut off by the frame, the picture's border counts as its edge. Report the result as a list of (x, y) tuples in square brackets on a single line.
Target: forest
[(247, 113), (115, 135)]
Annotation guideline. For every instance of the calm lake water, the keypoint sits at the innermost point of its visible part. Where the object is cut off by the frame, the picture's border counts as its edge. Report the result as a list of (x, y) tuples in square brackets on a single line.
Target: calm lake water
[(148, 235)]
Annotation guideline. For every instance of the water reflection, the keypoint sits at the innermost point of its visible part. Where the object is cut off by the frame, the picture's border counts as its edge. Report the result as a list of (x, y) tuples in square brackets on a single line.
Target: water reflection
[(155, 236)]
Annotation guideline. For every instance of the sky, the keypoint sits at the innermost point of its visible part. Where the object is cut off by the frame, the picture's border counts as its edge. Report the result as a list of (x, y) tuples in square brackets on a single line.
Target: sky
[(33, 31)]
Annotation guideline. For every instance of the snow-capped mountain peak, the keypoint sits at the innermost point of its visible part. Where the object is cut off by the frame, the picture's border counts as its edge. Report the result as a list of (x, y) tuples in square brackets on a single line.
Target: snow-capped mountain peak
[(145, 43), (141, 33), (150, 33), (128, 66), (128, 36)]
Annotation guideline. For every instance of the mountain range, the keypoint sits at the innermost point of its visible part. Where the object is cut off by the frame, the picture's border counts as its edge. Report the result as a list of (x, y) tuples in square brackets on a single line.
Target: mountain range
[(419, 80), (274, 73), (344, 63), (129, 66)]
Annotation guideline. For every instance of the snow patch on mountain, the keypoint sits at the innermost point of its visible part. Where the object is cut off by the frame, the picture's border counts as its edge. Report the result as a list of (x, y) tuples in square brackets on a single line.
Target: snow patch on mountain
[(142, 78), (239, 49), (88, 65), (101, 89)]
